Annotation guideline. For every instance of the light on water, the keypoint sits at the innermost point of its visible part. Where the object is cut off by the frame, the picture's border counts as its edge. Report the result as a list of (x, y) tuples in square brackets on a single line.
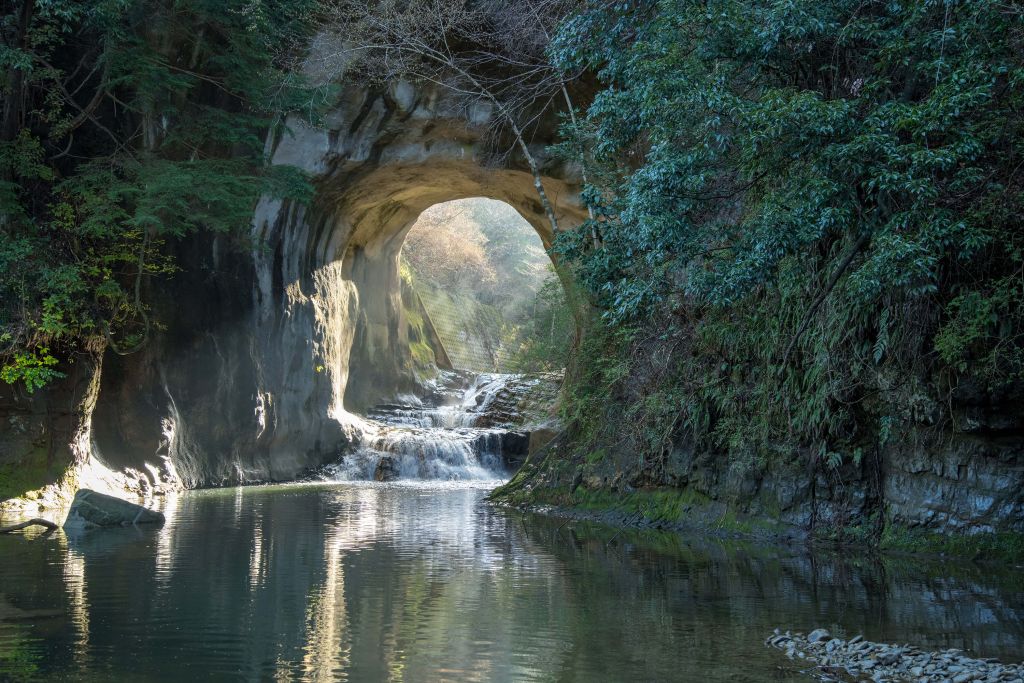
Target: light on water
[(426, 582)]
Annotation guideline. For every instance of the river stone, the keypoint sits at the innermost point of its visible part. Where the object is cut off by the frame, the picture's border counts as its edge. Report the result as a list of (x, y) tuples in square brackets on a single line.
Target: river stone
[(387, 469), (818, 634), (91, 510)]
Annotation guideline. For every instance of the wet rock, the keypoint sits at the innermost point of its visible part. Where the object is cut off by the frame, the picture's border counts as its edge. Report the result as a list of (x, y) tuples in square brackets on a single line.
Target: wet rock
[(92, 510), (387, 469), (837, 660), (542, 436), (818, 635), (515, 446)]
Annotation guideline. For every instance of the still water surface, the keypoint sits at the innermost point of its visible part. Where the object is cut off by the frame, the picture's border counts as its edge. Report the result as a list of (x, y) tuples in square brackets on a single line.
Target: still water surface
[(368, 582)]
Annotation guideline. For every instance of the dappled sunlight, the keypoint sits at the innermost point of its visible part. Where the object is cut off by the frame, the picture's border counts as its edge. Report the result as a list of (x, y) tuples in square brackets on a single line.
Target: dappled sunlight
[(479, 269)]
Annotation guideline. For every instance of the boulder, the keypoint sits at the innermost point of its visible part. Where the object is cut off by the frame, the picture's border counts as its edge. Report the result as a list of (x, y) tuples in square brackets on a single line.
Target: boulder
[(817, 635), (542, 436), (387, 469), (91, 510)]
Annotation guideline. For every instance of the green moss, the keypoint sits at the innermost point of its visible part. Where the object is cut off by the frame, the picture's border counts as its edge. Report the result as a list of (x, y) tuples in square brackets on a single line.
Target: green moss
[(23, 478), (669, 505), (422, 354), (423, 358), (863, 533), (686, 506), (998, 546)]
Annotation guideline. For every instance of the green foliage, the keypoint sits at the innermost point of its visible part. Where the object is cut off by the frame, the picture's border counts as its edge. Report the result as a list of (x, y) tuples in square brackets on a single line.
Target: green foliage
[(128, 125), (592, 384), (541, 342), (802, 199), (34, 368), (981, 333), (489, 287)]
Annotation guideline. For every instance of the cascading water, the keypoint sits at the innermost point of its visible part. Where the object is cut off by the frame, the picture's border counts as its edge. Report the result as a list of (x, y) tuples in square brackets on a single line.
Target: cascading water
[(437, 438)]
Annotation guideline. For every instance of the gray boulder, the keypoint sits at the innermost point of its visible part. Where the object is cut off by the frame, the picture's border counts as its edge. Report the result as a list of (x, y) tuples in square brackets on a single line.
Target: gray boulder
[(91, 510), (817, 635), (387, 469)]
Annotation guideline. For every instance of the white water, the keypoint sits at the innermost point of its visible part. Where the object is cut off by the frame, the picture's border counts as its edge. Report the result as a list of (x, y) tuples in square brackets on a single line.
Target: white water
[(413, 441)]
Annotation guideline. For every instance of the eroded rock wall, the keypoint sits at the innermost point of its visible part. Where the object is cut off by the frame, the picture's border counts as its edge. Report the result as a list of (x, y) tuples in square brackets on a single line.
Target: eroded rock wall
[(268, 343), (932, 465)]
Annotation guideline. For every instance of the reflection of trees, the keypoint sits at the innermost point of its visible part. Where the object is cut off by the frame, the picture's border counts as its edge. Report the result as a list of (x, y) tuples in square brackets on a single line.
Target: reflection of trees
[(373, 584), (712, 603), (19, 660)]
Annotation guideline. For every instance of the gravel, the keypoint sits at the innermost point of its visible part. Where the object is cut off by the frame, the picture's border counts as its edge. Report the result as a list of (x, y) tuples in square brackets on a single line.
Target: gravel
[(858, 660)]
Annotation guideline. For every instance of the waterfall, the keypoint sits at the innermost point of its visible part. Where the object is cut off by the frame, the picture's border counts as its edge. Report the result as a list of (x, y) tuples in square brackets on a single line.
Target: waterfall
[(440, 437)]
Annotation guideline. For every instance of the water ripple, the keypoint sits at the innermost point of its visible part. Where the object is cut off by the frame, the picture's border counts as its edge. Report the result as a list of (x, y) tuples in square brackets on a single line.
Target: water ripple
[(424, 582)]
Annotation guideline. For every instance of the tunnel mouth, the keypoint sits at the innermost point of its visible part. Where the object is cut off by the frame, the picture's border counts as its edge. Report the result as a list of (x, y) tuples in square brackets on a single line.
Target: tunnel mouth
[(477, 275), (469, 287), (464, 283)]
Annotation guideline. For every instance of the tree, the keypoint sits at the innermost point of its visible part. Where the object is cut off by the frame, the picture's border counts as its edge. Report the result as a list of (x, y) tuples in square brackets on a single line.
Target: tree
[(127, 125), (446, 247), (811, 198)]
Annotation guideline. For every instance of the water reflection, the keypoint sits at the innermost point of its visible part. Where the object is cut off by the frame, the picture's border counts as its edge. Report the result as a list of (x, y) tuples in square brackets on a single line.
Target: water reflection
[(376, 582), (77, 601), (327, 646)]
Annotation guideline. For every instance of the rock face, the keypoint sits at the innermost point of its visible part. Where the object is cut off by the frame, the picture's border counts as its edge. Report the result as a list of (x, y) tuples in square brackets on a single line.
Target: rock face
[(39, 432), (270, 345), (91, 510), (387, 469), (951, 484)]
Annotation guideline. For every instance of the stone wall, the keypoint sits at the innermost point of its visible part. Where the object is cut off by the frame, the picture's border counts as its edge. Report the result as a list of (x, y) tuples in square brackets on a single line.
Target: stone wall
[(955, 469)]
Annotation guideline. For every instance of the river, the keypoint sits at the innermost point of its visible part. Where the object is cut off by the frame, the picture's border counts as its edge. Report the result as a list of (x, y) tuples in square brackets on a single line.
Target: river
[(421, 581)]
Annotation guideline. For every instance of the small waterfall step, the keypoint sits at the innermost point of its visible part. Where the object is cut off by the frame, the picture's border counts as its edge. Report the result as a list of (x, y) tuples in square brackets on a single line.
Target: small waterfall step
[(467, 427)]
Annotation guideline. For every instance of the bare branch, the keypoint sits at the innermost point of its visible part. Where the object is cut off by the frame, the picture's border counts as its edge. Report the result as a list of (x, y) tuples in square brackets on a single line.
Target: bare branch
[(486, 51)]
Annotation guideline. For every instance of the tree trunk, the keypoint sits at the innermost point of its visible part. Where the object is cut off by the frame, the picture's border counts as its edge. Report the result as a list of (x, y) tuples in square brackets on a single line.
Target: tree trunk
[(15, 77)]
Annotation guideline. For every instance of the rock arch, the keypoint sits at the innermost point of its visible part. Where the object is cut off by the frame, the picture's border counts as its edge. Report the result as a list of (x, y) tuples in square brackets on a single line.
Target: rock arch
[(269, 349)]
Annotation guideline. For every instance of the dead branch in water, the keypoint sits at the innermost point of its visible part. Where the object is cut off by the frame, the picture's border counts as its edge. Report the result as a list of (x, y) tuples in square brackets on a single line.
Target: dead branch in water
[(35, 521)]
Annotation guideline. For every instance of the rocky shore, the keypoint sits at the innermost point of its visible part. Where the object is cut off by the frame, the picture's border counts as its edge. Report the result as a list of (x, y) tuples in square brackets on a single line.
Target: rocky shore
[(857, 659)]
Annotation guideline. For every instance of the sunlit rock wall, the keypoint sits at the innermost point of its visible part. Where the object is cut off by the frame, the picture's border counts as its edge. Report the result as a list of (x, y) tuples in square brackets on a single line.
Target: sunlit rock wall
[(270, 345)]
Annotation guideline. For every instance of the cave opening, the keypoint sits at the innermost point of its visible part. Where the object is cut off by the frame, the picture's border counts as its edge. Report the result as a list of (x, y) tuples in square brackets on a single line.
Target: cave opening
[(480, 292), (469, 326), (363, 301)]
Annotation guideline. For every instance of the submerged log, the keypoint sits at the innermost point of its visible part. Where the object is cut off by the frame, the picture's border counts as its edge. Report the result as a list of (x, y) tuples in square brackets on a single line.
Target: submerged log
[(50, 526)]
